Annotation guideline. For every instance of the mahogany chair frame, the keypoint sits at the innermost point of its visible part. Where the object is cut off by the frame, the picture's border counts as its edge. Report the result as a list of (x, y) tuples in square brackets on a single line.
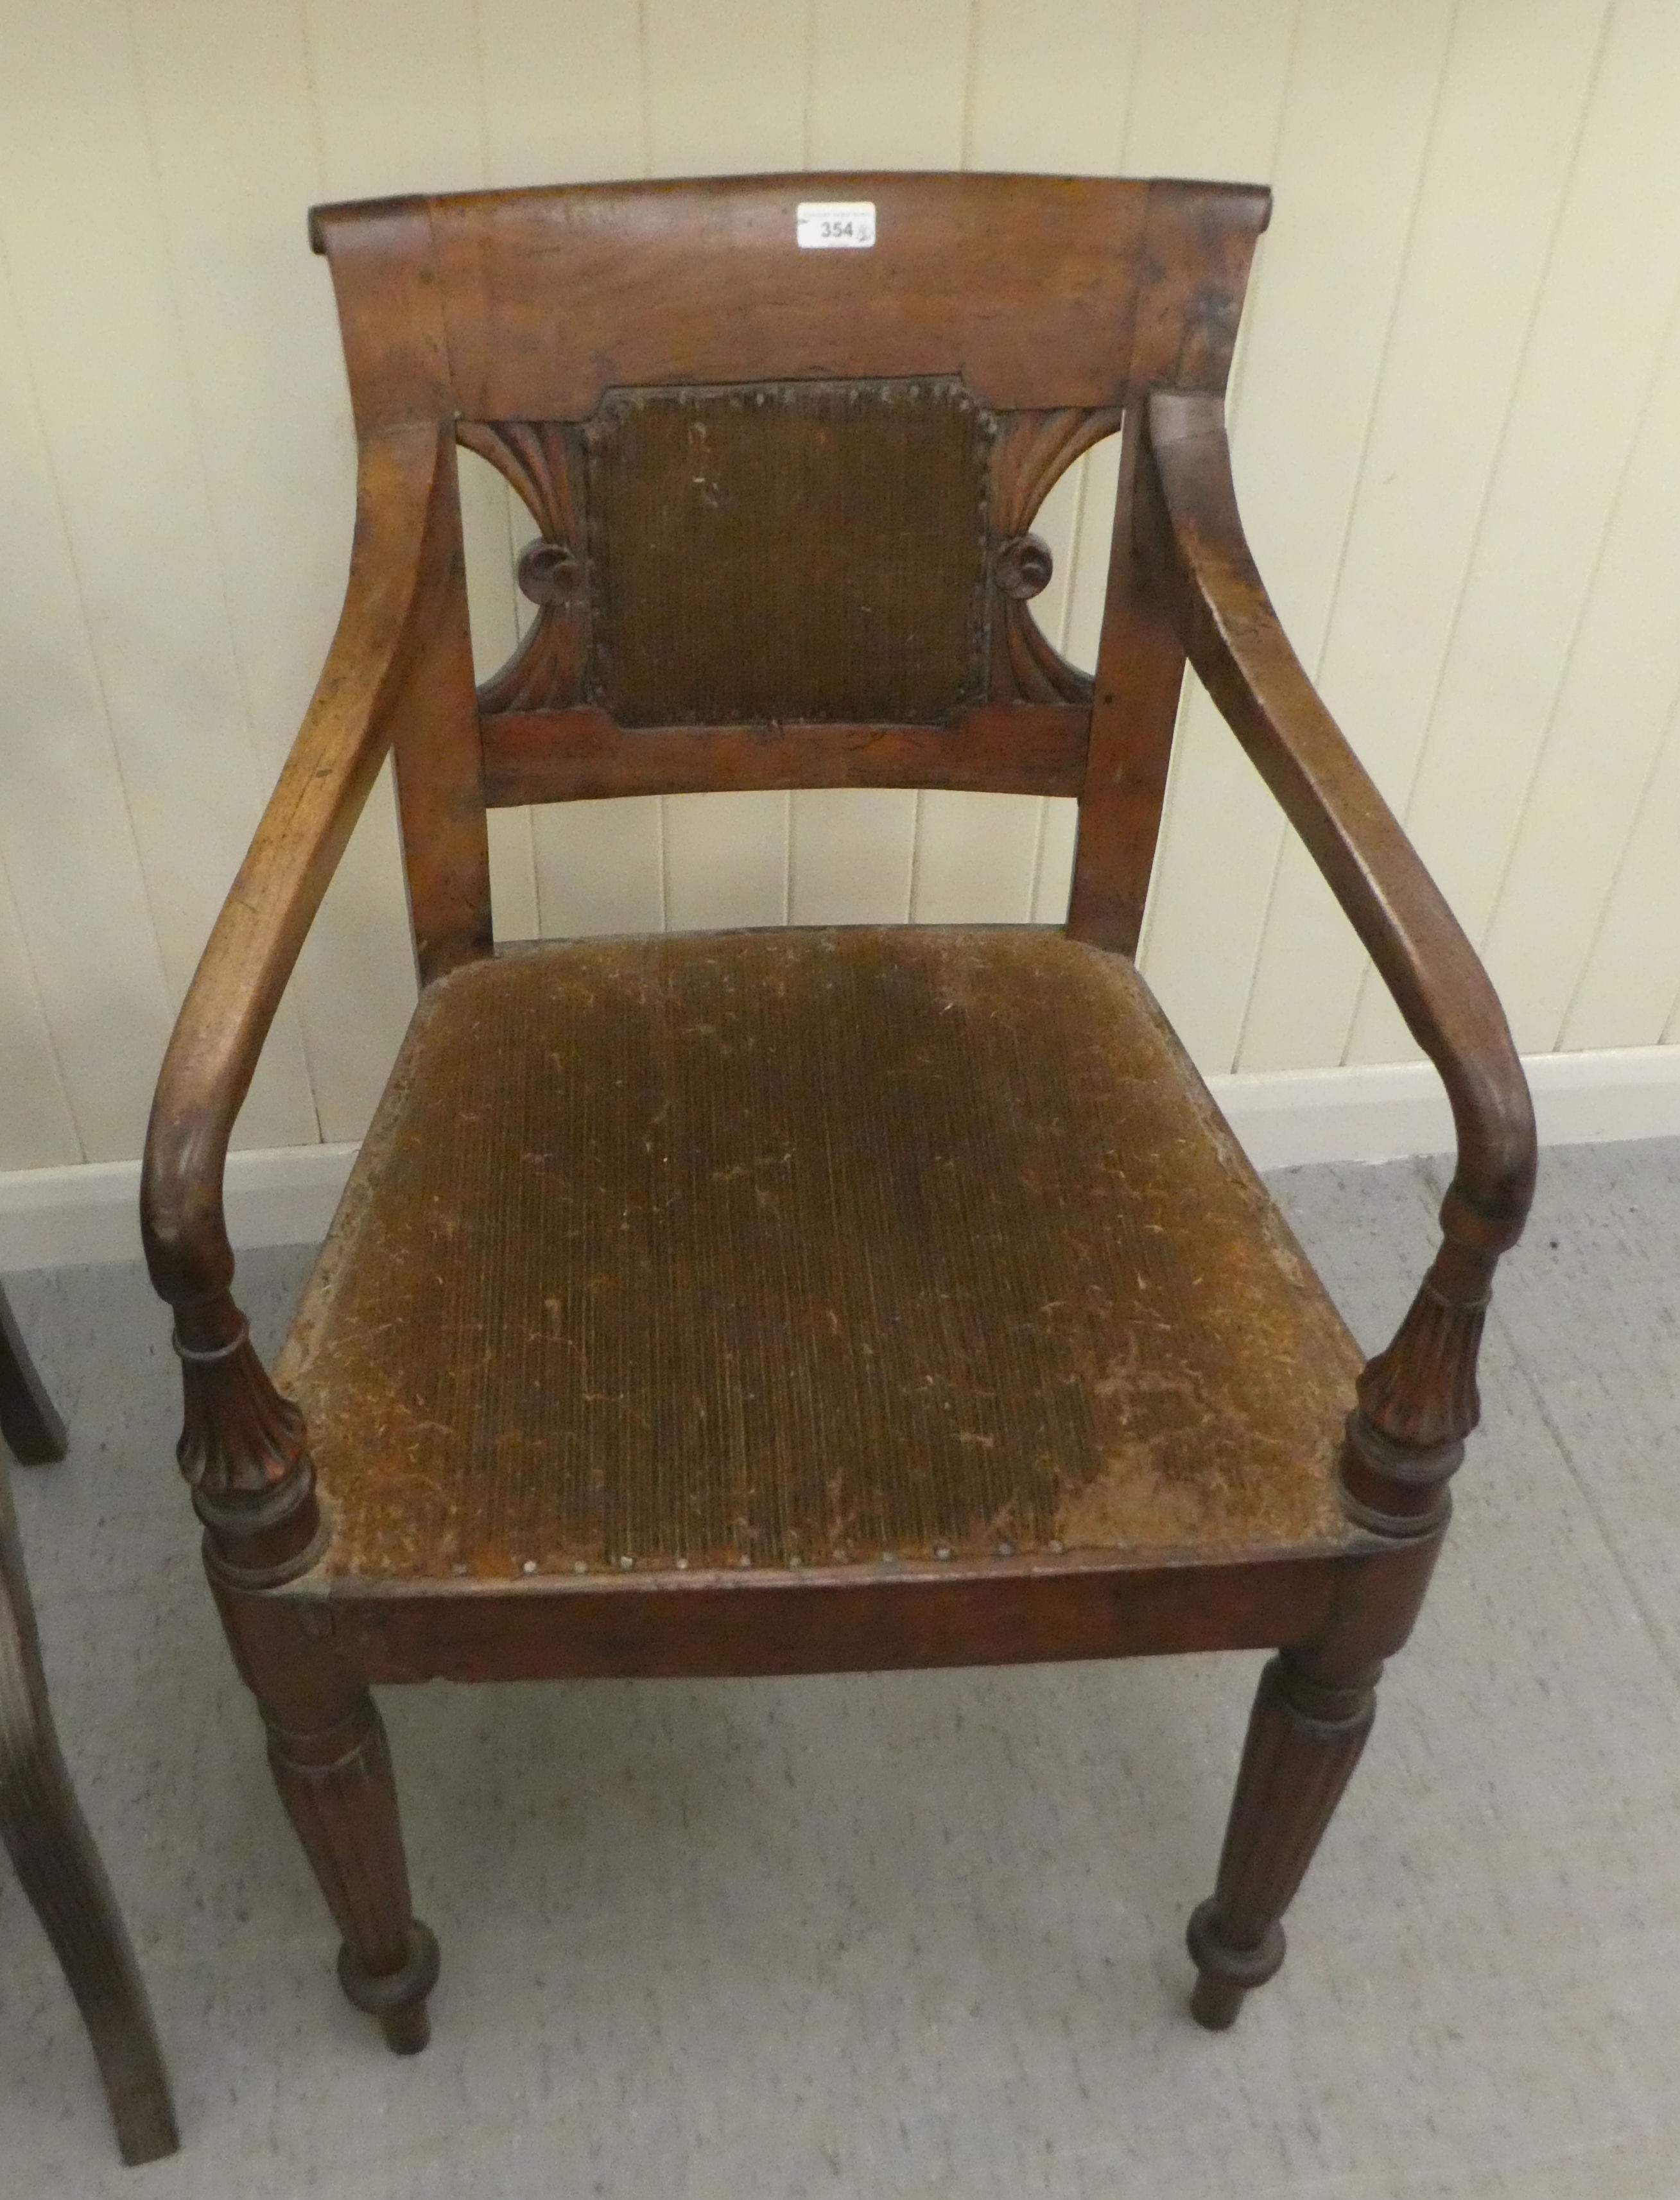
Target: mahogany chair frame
[(1067, 306)]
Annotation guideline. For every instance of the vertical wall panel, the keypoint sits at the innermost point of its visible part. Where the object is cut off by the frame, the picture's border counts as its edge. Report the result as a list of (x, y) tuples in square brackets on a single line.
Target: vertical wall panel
[(851, 855), (565, 101), (1363, 83), (229, 117), (487, 542), (36, 1127), (1051, 89), (1586, 794), (1573, 418), (397, 107), (564, 92), (1054, 881), (65, 834), (1209, 103), (1096, 478), (889, 85), (91, 277), (1092, 536), (976, 859), (1629, 989), (1208, 99), (601, 868), (726, 860), (1500, 156), (562, 89), (400, 105), (1046, 91), (399, 97), (1207, 85), (699, 124)]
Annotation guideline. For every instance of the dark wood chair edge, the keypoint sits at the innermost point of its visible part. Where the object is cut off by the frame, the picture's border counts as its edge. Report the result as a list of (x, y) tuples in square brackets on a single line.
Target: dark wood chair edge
[(28, 1421), (61, 1871)]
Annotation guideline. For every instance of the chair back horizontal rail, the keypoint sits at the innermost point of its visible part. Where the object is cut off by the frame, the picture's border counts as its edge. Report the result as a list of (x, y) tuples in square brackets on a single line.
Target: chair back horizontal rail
[(1038, 291), (580, 754)]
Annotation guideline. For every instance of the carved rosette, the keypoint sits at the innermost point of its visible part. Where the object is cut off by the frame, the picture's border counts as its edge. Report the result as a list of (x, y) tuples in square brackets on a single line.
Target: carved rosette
[(1417, 1401), (1034, 450), (244, 1452), (542, 461)]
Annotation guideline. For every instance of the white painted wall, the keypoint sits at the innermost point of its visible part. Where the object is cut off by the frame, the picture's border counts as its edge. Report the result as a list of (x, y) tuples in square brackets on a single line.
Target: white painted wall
[(1456, 421)]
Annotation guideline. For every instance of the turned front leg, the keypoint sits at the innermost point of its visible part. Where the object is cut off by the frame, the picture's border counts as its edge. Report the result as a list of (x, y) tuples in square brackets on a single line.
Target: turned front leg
[(244, 1450), (333, 1766), (1305, 1736), (1416, 1403), (336, 1784)]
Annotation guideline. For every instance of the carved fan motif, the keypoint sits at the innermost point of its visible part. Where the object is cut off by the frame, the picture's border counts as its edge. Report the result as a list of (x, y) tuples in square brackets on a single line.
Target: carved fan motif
[(1034, 452), (542, 461)]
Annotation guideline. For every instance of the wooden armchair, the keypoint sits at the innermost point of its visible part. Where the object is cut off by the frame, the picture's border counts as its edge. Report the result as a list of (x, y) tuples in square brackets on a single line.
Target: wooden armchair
[(810, 1300)]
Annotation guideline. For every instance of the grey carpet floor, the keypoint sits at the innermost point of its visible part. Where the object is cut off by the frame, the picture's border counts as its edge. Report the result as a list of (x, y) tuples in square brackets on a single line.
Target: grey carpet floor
[(921, 1935)]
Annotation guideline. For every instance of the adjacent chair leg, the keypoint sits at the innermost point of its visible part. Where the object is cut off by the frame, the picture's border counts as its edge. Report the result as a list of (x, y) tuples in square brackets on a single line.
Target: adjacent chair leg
[(331, 1764), (60, 1872), (27, 1420), (1304, 1739)]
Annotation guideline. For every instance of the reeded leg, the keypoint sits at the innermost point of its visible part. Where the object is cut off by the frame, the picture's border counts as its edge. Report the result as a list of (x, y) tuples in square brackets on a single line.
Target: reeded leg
[(27, 1420), (60, 1871), (1304, 1739), (339, 1792), (328, 1752)]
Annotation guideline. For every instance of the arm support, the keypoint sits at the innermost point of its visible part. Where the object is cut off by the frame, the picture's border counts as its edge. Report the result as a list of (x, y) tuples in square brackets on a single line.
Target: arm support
[(1418, 1399), (243, 1447)]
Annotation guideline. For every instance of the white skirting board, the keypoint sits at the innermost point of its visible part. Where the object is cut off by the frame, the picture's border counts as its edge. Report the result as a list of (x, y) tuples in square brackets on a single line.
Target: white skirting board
[(59, 1217), (1386, 1111)]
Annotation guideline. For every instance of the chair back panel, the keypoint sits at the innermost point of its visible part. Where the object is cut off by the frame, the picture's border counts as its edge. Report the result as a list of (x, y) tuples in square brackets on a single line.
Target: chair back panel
[(784, 494)]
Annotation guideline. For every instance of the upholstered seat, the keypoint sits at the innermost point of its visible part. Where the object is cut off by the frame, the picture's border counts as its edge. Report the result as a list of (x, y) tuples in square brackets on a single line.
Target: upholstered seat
[(781, 1249)]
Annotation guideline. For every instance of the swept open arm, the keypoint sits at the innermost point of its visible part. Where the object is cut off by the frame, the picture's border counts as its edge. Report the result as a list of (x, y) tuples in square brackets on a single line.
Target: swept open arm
[(1417, 1400), (242, 1446)]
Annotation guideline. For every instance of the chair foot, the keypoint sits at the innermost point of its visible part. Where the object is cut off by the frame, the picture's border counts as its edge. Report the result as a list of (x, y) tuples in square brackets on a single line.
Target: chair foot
[(397, 1998), (1226, 1975), (1304, 1739), (1215, 2005)]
